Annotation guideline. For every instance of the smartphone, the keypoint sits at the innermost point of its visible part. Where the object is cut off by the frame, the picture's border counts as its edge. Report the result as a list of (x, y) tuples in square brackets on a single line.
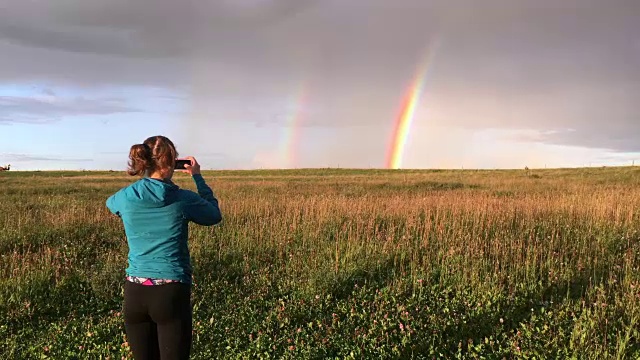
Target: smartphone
[(180, 163)]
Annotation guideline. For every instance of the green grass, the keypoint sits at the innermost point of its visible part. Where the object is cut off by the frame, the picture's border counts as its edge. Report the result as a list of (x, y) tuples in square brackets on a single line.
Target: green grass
[(332, 263)]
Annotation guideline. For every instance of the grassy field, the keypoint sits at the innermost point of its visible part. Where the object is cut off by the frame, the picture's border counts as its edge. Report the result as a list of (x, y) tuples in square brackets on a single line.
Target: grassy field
[(342, 264)]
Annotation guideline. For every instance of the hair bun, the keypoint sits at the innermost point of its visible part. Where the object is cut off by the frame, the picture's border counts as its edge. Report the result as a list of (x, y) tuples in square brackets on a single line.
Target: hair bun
[(140, 159), (155, 153)]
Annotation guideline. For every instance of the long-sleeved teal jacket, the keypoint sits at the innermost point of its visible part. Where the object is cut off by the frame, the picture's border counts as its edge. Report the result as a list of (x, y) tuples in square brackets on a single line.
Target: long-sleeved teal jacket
[(155, 215)]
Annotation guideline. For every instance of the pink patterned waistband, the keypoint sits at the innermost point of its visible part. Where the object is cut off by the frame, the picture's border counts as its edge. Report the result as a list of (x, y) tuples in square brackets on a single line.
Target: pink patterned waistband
[(148, 281)]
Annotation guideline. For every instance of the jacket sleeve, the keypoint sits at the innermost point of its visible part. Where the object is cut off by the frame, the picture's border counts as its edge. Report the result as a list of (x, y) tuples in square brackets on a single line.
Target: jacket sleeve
[(202, 209), (112, 204)]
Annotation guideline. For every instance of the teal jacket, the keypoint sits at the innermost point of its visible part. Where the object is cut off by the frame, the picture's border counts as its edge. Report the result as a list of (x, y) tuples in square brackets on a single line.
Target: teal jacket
[(156, 215)]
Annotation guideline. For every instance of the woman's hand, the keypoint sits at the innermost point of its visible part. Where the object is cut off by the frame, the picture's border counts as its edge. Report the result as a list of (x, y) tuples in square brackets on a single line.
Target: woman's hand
[(194, 168)]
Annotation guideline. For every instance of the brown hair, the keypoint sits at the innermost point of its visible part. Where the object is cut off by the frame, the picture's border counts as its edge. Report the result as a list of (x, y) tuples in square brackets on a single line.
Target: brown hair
[(155, 153)]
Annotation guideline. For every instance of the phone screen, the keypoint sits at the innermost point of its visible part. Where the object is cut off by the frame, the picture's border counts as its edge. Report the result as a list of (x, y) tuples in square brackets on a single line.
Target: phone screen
[(181, 163)]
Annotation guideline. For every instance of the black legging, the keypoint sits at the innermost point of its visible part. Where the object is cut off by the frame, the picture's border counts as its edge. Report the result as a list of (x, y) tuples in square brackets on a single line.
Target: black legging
[(158, 320)]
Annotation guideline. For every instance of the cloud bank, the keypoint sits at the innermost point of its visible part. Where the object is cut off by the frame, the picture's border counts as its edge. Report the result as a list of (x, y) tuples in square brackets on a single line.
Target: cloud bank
[(568, 71)]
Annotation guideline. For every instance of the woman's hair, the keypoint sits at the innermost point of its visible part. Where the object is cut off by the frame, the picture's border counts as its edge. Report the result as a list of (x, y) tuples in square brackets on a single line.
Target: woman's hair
[(155, 153)]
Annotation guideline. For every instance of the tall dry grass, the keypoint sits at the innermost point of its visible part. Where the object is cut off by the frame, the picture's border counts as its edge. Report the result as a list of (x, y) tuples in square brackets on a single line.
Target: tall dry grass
[(494, 263)]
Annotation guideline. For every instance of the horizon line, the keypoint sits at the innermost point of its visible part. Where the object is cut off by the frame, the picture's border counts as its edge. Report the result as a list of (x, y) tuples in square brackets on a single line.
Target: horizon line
[(353, 168)]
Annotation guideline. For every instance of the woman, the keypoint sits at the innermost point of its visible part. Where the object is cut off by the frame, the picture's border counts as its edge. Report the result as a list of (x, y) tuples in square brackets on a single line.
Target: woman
[(156, 213)]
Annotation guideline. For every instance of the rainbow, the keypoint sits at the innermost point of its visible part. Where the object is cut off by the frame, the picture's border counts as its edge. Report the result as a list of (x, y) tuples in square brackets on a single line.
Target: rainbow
[(402, 127), (292, 130)]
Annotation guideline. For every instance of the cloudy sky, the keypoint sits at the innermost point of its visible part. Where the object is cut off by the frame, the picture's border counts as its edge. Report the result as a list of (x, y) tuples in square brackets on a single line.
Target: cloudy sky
[(314, 83)]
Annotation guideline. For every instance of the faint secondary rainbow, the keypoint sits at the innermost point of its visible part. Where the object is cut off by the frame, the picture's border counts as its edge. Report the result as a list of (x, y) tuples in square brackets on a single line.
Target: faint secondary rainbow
[(292, 130), (404, 120)]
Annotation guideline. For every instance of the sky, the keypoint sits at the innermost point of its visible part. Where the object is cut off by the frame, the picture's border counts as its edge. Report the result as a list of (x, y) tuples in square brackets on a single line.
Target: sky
[(247, 84)]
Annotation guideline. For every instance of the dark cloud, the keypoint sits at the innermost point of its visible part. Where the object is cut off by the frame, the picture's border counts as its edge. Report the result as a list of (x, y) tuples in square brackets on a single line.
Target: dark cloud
[(523, 64), (49, 108), (619, 139), (32, 157), (144, 29)]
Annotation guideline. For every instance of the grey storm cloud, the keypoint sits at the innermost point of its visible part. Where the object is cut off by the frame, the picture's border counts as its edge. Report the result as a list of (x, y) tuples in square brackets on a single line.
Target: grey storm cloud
[(545, 65), (50, 108), (32, 157)]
